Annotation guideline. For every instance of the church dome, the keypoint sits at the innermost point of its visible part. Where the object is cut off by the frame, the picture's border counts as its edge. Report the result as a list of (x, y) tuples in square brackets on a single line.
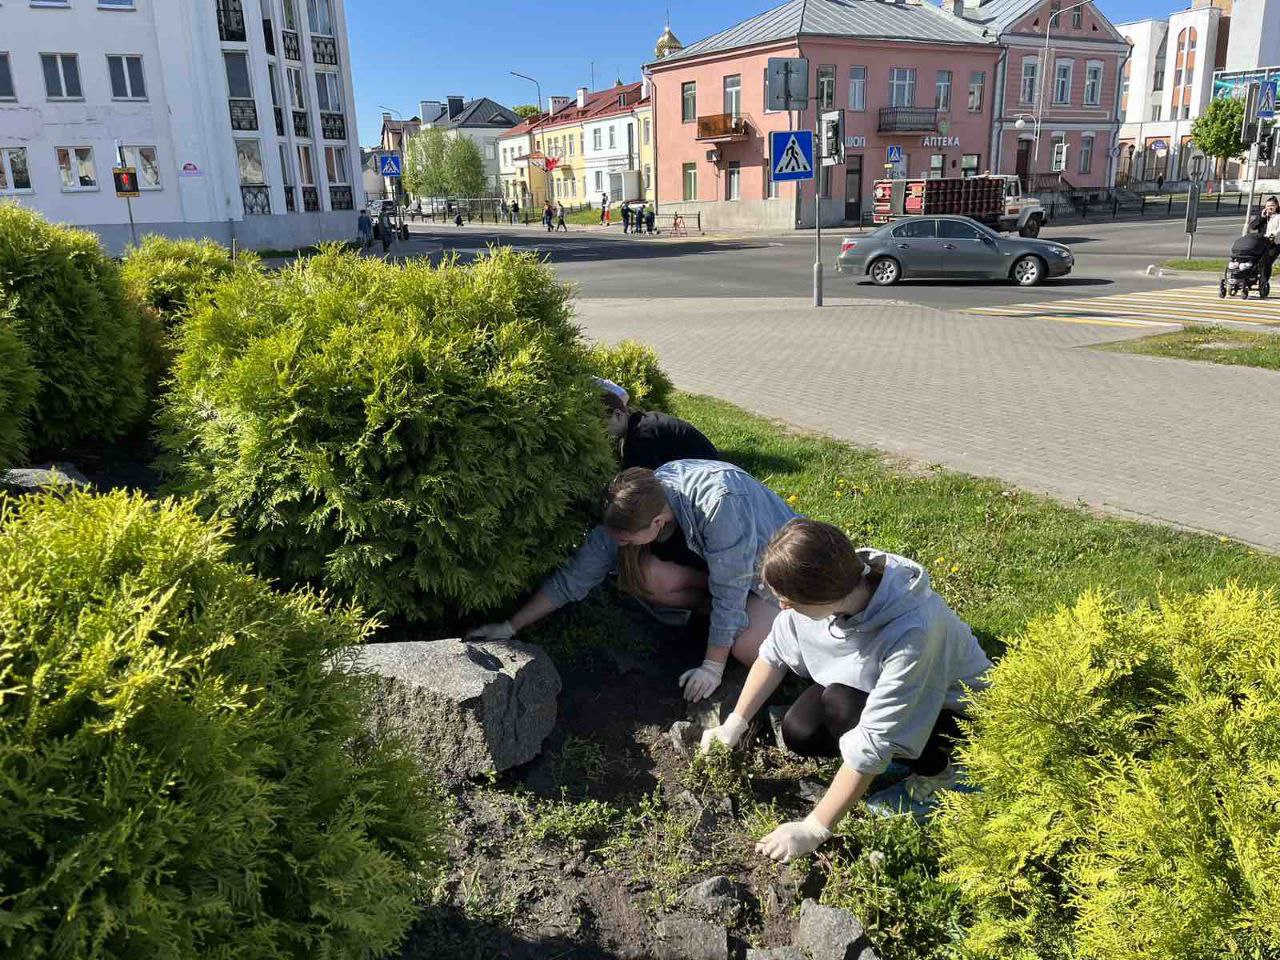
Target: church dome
[(668, 43)]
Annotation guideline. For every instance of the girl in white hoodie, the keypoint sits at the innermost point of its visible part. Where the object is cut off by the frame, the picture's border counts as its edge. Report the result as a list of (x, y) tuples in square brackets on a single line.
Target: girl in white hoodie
[(891, 665)]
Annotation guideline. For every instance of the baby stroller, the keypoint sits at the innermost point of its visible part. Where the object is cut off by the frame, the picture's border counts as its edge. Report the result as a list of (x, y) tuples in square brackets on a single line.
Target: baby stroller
[(1244, 268)]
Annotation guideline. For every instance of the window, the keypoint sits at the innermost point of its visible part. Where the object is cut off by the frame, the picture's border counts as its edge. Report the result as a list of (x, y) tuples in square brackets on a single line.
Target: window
[(6, 79), (1124, 84), (321, 16), (123, 4), (290, 15), (689, 102), (902, 87), (596, 140), (959, 230), (613, 136), (14, 173), (61, 76), (126, 78), (942, 91), (733, 181), (647, 133), (1093, 83), (937, 166), (274, 79), (329, 92), (306, 171), (238, 86), (690, 176), (571, 140), (857, 88), (916, 230), (599, 180), (826, 88), (1086, 153), (75, 164), (1030, 80), (286, 171), (1156, 112), (1077, 19), (335, 165), (733, 95), (1062, 70), (969, 164), (977, 90), (143, 159), (249, 160), (297, 89)]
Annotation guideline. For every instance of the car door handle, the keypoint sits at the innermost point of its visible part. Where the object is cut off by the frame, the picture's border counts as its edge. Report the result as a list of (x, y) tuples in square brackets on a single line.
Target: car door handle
[(948, 246), (904, 246)]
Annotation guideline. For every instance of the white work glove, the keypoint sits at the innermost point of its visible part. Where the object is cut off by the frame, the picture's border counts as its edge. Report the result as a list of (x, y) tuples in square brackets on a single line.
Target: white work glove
[(701, 682), (729, 733), (796, 839), (492, 631)]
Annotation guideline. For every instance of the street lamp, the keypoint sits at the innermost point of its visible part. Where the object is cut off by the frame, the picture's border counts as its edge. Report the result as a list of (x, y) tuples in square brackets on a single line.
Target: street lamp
[(538, 87), (1044, 70)]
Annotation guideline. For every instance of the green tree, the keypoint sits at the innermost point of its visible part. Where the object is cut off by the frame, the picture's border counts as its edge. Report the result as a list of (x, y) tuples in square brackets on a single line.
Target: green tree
[(1217, 131), (525, 110), (425, 171), (465, 166)]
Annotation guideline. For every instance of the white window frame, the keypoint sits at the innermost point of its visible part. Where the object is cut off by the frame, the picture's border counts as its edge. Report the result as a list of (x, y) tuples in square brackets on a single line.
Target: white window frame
[(597, 139), (331, 156), (1058, 65), (124, 59), (6, 170), (93, 160), (306, 166), (1093, 74), (286, 168), (1029, 88), (227, 56), (613, 137), (858, 88), (824, 85), (297, 88), (322, 11), (902, 79), (62, 59), (978, 82), (689, 102), (8, 69), (733, 180), (944, 81), (1087, 142), (685, 171), (732, 94), (600, 181), (257, 144), (117, 5), (332, 92), (290, 15), (648, 130), (132, 154)]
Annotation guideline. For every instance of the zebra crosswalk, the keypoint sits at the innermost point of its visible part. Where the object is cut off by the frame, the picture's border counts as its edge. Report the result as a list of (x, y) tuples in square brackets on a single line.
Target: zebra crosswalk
[(1160, 307)]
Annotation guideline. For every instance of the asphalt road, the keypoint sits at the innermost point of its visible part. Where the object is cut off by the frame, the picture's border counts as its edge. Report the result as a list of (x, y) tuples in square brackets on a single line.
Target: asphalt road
[(1111, 258)]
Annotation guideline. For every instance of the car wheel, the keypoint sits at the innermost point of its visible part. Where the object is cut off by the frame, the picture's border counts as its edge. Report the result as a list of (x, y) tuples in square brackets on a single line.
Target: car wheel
[(1264, 290), (1031, 228), (1222, 289), (1244, 294), (885, 272), (1028, 271)]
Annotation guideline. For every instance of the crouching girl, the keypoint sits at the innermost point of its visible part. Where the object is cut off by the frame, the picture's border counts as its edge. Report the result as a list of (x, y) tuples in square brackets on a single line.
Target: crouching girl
[(890, 666), (689, 532)]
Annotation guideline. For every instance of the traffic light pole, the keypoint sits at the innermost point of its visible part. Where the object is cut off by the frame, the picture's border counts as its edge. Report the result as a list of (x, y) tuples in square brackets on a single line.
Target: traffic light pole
[(817, 205)]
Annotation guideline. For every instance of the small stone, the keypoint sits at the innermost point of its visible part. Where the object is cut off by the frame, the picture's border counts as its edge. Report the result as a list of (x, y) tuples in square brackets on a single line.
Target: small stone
[(777, 953), (829, 933), (718, 898), (811, 790), (715, 709), (682, 938), (37, 479), (775, 715), (683, 737)]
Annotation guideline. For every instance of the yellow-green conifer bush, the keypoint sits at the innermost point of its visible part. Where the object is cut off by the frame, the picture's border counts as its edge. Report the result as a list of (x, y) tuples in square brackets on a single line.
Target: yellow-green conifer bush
[(1129, 766), (169, 275), (185, 770), (426, 441), (636, 368), (18, 384)]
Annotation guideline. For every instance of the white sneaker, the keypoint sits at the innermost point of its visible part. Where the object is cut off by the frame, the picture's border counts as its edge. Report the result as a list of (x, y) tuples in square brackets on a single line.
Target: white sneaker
[(917, 795)]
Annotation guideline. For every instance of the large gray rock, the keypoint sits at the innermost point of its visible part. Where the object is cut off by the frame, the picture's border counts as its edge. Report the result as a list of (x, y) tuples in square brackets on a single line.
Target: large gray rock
[(469, 708), (829, 933), (685, 939), (777, 953), (715, 709), (36, 479), (718, 898)]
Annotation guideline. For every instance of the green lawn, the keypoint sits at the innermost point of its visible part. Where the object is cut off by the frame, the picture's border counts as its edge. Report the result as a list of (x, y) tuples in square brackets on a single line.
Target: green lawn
[(1205, 266), (1238, 348)]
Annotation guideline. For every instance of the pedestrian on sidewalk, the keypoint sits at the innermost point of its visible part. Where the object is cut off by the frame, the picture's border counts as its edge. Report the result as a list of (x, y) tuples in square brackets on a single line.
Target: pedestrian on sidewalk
[(515, 211), (604, 209), (626, 218), (548, 216), (384, 230), (1267, 224), (1160, 184), (560, 224), (890, 668), (364, 227), (650, 216), (504, 210)]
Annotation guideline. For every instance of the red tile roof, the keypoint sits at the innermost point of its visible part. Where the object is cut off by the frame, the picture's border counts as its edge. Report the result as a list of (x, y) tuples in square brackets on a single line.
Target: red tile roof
[(601, 103)]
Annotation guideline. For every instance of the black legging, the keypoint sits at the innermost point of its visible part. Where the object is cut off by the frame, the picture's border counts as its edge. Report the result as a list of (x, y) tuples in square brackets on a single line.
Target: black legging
[(816, 721)]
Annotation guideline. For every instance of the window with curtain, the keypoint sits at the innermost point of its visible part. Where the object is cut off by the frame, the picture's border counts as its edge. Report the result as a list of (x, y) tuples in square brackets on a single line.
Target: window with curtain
[(1028, 90)]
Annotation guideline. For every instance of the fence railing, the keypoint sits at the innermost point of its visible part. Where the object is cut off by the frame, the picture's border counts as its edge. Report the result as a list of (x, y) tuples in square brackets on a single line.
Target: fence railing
[(1145, 205), (489, 210)]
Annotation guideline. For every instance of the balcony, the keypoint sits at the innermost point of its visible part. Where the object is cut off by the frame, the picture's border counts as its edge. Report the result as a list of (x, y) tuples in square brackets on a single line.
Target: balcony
[(257, 200), (244, 114), (231, 21), (341, 198), (279, 112), (333, 126), (324, 50), (292, 49), (269, 35), (301, 125), (908, 120), (289, 203), (311, 199), (722, 128)]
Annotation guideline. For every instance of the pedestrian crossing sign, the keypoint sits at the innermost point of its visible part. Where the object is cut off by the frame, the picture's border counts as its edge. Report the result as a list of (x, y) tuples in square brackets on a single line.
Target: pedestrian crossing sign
[(1267, 100), (389, 165), (792, 155)]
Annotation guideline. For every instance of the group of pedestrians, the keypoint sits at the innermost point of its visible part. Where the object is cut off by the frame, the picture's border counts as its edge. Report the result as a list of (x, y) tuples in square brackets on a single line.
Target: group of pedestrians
[(553, 214), (510, 212), (888, 664)]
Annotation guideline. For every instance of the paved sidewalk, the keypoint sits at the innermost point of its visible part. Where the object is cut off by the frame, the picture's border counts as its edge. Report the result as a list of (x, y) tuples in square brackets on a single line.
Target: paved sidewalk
[(1023, 399)]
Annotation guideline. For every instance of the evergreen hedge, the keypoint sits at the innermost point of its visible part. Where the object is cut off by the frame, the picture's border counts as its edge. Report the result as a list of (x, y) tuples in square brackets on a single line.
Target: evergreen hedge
[(426, 441), (168, 275), (18, 385), (182, 774), (636, 368), (1129, 772), (83, 335)]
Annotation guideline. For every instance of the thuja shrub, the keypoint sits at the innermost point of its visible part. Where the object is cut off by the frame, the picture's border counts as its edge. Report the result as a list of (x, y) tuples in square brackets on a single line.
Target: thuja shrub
[(82, 333), (424, 440), (168, 275), (186, 768), (18, 384), (1129, 766), (635, 367)]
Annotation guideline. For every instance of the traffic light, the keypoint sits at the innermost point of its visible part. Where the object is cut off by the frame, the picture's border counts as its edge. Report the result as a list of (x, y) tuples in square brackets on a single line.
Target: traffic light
[(1267, 147), (832, 140), (126, 179)]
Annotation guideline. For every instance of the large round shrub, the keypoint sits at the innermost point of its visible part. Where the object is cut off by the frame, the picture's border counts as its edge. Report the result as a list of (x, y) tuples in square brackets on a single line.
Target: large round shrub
[(169, 275), (424, 440), (636, 368), (1129, 773), (184, 767), (18, 385), (84, 337)]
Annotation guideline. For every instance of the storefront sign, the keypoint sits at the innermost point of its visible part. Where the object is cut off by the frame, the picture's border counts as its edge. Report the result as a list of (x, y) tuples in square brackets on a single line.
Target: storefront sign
[(940, 142), (855, 143)]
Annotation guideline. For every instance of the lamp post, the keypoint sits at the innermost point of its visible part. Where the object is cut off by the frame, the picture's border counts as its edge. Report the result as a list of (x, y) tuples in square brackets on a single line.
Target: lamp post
[(538, 87), (1044, 70), (397, 191)]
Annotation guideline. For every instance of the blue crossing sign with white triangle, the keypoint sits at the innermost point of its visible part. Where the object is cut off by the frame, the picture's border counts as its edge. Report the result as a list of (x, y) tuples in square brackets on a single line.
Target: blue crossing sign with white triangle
[(389, 164), (1267, 100), (791, 155)]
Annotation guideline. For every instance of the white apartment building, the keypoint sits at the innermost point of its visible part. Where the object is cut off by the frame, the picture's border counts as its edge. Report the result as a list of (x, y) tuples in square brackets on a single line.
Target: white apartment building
[(238, 115), (611, 145)]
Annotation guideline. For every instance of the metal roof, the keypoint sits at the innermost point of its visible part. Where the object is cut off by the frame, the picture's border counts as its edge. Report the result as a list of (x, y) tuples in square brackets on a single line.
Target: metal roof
[(861, 19), (999, 15)]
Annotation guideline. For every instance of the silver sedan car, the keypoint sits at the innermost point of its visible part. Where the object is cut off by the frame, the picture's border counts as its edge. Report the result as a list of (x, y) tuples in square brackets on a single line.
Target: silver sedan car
[(950, 248)]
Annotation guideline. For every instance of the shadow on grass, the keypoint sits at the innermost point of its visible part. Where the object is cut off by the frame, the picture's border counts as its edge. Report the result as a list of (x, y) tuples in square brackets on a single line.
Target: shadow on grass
[(760, 463)]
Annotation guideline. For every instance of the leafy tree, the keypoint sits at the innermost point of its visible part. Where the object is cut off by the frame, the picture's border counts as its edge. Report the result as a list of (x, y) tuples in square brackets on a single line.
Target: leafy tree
[(465, 166), (425, 173), (525, 110), (1217, 130)]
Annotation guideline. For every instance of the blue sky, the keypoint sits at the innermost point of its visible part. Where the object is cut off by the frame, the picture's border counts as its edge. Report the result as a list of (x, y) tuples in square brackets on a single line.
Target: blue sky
[(404, 51)]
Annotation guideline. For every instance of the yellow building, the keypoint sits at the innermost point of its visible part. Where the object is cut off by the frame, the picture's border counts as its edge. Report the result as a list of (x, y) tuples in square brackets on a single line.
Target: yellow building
[(646, 140)]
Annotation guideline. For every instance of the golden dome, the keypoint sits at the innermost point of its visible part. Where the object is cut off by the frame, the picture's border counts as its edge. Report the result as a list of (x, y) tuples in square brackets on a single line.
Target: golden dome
[(668, 43)]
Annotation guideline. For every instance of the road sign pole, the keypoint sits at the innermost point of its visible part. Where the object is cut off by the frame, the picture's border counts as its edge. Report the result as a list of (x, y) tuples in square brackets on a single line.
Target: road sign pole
[(817, 208), (133, 230), (1253, 186)]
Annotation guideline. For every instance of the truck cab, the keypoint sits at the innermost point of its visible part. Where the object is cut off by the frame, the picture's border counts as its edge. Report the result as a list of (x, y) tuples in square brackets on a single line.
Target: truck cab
[(1023, 215)]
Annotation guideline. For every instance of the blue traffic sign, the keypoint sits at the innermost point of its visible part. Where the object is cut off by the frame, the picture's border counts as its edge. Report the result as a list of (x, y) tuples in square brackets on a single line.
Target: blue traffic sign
[(389, 165), (792, 155), (1267, 100), (893, 154)]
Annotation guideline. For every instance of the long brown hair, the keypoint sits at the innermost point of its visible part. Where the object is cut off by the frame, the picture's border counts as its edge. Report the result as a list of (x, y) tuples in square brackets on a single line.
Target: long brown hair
[(811, 562), (634, 500)]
